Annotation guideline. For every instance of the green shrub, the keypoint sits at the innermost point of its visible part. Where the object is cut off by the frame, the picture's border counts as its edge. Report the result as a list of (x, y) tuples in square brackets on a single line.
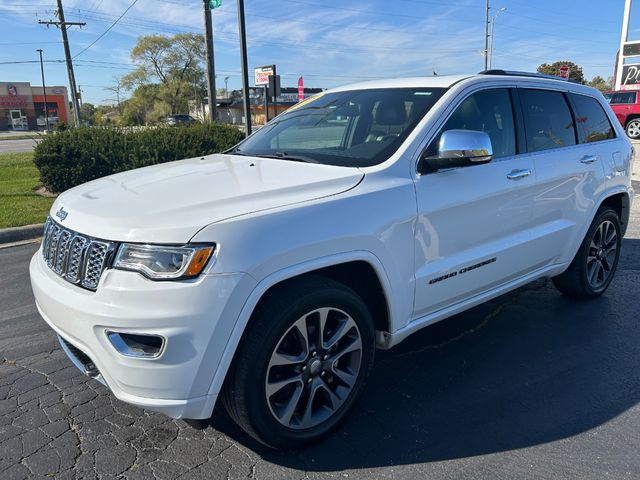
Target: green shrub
[(71, 157)]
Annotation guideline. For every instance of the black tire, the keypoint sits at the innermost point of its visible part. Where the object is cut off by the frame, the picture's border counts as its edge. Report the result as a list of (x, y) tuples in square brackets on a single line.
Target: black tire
[(244, 393), (575, 281), (633, 128)]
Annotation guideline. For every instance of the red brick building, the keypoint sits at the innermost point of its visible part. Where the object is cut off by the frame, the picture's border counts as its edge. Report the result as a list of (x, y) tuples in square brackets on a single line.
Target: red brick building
[(22, 106)]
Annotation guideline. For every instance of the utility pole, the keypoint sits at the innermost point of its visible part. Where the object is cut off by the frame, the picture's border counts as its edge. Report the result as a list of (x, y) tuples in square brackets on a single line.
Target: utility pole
[(244, 67), (493, 26), (44, 92), (211, 78), (486, 36), (62, 25)]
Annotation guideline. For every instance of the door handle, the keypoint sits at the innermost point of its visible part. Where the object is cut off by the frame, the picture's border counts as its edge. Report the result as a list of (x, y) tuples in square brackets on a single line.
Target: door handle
[(589, 159), (519, 174)]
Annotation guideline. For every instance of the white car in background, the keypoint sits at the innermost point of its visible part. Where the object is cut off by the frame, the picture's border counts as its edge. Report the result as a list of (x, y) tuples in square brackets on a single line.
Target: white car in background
[(268, 276)]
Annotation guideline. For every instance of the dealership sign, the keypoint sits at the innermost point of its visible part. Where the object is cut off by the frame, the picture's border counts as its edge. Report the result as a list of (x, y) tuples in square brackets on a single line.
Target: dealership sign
[(630, 77), (262, 74)]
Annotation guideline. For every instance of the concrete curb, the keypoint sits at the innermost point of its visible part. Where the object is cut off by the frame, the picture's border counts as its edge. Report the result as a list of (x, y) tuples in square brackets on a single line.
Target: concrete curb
[(17, 234)]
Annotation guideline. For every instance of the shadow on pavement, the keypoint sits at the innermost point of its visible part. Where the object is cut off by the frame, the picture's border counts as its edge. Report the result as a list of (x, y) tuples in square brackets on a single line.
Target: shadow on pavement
[(527, 368)]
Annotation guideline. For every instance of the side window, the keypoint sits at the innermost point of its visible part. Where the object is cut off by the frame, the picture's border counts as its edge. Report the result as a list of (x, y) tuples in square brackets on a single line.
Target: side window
[(487, 111), (593, 123), (621, 97), (547, 119)]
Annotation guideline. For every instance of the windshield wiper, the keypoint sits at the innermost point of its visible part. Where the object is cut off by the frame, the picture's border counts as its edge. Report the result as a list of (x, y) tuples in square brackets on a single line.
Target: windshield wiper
[(286, 156), (237, 151)]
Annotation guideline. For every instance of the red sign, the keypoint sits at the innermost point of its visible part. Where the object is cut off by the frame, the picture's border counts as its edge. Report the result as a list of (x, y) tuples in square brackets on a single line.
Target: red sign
[(262, 74), (13, 101), (300, 89), (564, 72)]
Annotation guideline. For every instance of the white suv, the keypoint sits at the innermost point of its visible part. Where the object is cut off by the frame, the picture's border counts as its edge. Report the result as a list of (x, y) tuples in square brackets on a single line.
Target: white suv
[(269, 275)]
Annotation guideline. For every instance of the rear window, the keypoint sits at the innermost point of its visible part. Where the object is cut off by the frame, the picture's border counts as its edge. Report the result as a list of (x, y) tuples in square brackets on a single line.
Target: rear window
[(548, 120), (593, 124), (620, 97)]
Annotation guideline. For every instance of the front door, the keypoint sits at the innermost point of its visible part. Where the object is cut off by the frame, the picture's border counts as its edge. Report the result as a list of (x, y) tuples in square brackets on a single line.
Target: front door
[(18, 121), (474, 223)]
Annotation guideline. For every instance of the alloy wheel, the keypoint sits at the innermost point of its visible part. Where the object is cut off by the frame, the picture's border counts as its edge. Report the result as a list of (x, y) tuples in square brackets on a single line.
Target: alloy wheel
[(313, 368), (633, 129), (602, 254)]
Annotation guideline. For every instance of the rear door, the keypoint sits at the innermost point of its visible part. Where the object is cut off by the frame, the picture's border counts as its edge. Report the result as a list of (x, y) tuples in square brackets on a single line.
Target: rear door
[(473, 222), (568, 163)]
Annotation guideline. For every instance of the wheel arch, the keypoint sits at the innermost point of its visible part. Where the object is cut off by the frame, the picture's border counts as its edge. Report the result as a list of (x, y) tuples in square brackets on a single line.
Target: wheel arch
[(346, 268), (620, 202), (633, 116)]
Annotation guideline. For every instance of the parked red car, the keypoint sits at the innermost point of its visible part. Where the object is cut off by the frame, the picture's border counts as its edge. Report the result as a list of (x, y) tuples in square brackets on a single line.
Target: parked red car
[(626, 107)]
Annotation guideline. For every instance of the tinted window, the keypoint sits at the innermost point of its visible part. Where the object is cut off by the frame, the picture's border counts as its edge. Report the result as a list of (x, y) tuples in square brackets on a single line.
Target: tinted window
[(620, 97), (487, 111), (548, 121), (355, 128), (593, 123)]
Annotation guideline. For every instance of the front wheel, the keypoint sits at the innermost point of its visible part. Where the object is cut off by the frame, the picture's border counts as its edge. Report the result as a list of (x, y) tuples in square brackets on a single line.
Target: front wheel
[(302, 363), (633, 129), (593, 267)]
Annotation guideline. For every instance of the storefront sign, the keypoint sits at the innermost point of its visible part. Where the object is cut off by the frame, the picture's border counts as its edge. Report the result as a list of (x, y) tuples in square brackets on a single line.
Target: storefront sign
[(13, 101)]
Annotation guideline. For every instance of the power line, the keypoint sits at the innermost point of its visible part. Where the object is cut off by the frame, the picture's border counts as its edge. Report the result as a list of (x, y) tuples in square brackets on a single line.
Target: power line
[(106, 31)]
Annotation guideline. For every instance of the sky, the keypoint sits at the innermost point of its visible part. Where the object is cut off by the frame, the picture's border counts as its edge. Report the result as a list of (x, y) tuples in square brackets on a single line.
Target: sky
[(328, 42)]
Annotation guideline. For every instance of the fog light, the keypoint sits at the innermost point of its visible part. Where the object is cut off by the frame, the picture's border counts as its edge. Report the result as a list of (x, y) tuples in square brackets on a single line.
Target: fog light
[(135, 345)]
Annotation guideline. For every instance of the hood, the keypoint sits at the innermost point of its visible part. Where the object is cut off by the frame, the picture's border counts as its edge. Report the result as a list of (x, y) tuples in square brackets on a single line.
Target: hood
[(170, 202)]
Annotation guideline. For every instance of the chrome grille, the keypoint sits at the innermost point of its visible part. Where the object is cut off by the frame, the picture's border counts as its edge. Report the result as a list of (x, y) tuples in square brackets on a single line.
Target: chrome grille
[(77, 258)]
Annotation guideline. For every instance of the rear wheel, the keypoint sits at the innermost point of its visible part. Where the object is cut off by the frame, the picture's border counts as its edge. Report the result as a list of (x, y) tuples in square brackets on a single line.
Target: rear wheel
[(594, 266), (633, 128), (302, 363)]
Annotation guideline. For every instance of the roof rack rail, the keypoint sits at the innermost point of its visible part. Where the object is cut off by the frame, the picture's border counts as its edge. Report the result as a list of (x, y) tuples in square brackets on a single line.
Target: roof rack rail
[(522, 74)]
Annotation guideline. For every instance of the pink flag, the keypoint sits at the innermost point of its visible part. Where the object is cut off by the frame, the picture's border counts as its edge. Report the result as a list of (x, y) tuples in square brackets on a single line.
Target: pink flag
[(300, 89)]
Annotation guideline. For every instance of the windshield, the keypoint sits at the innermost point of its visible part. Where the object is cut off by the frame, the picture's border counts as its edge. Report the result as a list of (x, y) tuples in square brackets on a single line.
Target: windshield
[(357, 128)]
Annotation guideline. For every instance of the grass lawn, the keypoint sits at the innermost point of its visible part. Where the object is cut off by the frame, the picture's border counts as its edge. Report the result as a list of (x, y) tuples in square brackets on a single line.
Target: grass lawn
[(19, 205)]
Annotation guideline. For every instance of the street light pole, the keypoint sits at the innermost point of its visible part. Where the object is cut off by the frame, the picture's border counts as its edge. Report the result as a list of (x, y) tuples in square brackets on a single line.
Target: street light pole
[(493, 23), (243, 67), (44, 92)]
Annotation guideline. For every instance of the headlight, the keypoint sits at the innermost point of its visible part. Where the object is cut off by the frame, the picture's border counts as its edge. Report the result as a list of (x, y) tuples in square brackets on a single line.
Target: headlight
[(158, 262)]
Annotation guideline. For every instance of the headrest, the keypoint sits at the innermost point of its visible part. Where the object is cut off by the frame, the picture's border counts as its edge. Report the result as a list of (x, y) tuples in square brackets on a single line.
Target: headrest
[(391, 112)]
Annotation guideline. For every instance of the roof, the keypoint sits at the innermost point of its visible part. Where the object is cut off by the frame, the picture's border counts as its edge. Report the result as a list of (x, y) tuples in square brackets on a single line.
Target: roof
[(436, 81), (446, 81)]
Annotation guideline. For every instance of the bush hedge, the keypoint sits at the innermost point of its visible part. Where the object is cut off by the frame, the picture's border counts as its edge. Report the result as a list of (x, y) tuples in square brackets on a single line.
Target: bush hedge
[(71, 157)]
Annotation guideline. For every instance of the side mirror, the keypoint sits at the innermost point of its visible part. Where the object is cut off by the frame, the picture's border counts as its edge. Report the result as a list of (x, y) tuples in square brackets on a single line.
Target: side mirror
[(458, 148)]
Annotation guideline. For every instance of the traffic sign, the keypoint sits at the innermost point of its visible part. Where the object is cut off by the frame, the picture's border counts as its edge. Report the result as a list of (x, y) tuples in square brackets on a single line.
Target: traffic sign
[(564, 72)]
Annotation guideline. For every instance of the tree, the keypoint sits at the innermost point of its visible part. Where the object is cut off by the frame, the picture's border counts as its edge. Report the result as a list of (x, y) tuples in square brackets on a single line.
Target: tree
[(86, 113), (601, 84), (116, 89), (174, 64), (136, 109), (575, 71)]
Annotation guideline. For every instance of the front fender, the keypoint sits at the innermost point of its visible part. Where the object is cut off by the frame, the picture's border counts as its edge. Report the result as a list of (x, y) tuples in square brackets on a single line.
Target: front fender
[(277, 277)]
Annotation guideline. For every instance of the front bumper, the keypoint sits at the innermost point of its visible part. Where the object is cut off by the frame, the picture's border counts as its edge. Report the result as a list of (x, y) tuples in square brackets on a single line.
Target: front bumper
[(195, 317)]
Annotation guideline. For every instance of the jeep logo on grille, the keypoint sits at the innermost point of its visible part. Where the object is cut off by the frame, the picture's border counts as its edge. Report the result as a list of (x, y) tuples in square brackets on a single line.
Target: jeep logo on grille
[(61, 214)]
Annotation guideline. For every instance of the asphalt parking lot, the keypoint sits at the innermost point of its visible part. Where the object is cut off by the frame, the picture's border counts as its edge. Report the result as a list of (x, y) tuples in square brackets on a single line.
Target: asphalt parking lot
[(530, 385)]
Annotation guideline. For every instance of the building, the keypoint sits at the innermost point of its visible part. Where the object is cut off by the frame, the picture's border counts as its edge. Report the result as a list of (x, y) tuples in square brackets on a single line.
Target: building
[(22, 106), (231, 110)]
